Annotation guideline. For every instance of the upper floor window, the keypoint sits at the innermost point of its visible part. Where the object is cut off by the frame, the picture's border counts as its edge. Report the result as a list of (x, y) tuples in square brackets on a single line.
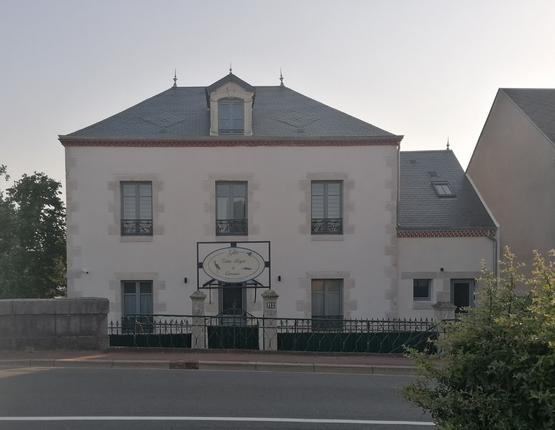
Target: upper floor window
[(231, 116), (136, 208), (443, 189), (231, 208), (327, 203)]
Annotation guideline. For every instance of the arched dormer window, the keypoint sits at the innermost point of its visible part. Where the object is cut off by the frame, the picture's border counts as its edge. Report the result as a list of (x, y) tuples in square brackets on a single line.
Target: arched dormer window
[(231, 116)]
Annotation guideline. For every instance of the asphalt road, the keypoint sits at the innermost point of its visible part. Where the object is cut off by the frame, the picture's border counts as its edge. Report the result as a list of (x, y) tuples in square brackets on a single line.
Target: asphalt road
[(119, 398)]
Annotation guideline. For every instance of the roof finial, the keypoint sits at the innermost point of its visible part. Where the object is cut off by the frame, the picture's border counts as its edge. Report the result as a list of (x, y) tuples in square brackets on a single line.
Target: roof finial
[(448, 143), (175, 78), (230, 69), (280, 78)]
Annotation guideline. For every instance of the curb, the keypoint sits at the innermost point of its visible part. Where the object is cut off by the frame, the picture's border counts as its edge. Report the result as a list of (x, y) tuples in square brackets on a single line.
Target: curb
[(361, 369)]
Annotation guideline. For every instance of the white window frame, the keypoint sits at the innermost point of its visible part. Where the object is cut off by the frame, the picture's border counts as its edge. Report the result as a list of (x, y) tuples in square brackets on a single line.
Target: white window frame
[(229, 203), (144, 226), (137, 294), (238, 104), (341, 293), (326, 230), (443, 189), (422, 299)]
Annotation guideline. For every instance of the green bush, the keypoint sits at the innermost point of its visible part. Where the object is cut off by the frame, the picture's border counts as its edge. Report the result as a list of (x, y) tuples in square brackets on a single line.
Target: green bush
[(495, 368)]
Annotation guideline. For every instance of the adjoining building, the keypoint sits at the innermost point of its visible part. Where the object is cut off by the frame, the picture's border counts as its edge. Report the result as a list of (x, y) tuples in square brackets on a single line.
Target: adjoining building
[(232, 189), (513, 168)]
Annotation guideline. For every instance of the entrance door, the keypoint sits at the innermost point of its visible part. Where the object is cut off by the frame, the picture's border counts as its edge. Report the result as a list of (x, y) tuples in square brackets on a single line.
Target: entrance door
[(234, 329), (462, 293), (232, 300)]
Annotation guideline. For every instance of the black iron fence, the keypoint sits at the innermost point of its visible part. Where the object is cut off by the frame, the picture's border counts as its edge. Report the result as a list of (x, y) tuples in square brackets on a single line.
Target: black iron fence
[(292, 334), (362, 335), (170, 331)]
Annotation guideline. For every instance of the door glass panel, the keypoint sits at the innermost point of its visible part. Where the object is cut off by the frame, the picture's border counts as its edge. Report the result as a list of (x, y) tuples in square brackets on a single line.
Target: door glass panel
[(461, 294), (146, 304), (317, 297), (232, 300), (129, 301)]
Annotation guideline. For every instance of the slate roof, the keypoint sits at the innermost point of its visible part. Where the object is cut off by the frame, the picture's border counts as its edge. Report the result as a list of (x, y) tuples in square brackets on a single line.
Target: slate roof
[(419, 206), (538, 104), (182, 112)]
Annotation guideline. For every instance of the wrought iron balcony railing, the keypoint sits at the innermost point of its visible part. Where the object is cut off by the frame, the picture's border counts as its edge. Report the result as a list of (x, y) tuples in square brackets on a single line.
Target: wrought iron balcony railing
[(327, 225), (225, 227), (136, 227)]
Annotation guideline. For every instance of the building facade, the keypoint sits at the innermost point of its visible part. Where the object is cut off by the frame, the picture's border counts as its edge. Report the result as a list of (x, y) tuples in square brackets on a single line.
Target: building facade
[(513, 168), (233, 189)]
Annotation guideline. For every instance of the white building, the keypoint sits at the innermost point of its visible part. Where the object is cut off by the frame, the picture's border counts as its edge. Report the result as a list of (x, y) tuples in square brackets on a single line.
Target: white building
[(153, 190), (513, 168)]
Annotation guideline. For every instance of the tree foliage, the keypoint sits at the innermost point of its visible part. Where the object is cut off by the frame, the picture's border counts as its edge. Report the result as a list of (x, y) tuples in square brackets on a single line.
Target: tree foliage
[(495, 368), (32, 237)]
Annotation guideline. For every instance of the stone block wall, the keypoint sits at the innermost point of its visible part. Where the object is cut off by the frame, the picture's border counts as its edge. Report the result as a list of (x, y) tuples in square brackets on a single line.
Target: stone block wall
[(79, 323)]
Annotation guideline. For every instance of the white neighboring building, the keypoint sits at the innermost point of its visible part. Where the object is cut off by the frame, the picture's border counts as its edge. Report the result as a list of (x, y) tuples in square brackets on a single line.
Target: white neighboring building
[(445, 233), (513, 168), (194, 166)]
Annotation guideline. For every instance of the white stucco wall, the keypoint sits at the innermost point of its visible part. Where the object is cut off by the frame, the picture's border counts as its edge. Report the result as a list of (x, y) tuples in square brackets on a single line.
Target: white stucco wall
[(278, 211), (439, 259), (513, 168)]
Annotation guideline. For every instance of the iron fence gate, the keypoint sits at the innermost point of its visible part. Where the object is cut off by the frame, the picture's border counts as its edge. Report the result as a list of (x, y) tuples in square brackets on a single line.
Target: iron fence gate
[(293, 334)]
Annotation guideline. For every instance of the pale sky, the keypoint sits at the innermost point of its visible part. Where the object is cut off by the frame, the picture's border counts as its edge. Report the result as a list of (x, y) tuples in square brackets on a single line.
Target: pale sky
[(425, 69)]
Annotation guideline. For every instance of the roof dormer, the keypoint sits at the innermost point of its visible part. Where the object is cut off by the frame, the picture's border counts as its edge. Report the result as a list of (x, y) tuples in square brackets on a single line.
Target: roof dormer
[(230, 101)]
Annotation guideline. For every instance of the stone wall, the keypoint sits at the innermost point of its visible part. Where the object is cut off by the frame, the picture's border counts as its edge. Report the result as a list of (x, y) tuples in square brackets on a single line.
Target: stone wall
[(79, 323)]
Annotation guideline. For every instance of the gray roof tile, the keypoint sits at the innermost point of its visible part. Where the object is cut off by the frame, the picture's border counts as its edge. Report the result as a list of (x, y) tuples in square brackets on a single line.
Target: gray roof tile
[(182, 112), (538, 104), (419, 206)]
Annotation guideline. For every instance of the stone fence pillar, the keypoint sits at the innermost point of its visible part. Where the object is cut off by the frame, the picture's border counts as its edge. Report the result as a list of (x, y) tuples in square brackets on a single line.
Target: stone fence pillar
[(269, 326), (198, 329), (444, 311)]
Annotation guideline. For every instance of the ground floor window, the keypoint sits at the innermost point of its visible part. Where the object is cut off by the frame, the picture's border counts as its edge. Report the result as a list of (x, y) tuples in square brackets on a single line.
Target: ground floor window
[(422, 290), (462, 293), (137, 304), (327, 302)]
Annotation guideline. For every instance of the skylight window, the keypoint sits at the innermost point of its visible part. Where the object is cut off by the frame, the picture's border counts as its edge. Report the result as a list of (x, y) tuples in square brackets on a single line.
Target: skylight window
[(443, 189)]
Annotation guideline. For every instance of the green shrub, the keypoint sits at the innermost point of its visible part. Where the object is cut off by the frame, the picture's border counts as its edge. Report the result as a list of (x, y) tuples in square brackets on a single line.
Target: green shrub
[(495, 368)]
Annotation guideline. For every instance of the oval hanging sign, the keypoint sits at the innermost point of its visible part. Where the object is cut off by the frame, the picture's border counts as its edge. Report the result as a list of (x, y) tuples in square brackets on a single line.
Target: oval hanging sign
[(233, 264)]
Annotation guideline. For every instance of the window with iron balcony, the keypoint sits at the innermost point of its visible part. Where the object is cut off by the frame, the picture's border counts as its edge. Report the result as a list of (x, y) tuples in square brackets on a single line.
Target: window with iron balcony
[(136, 208), (327, 207), (231, 208)]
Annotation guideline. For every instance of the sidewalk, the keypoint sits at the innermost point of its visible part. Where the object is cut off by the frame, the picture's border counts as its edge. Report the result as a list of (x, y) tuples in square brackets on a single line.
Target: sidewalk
[(213, 360)]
